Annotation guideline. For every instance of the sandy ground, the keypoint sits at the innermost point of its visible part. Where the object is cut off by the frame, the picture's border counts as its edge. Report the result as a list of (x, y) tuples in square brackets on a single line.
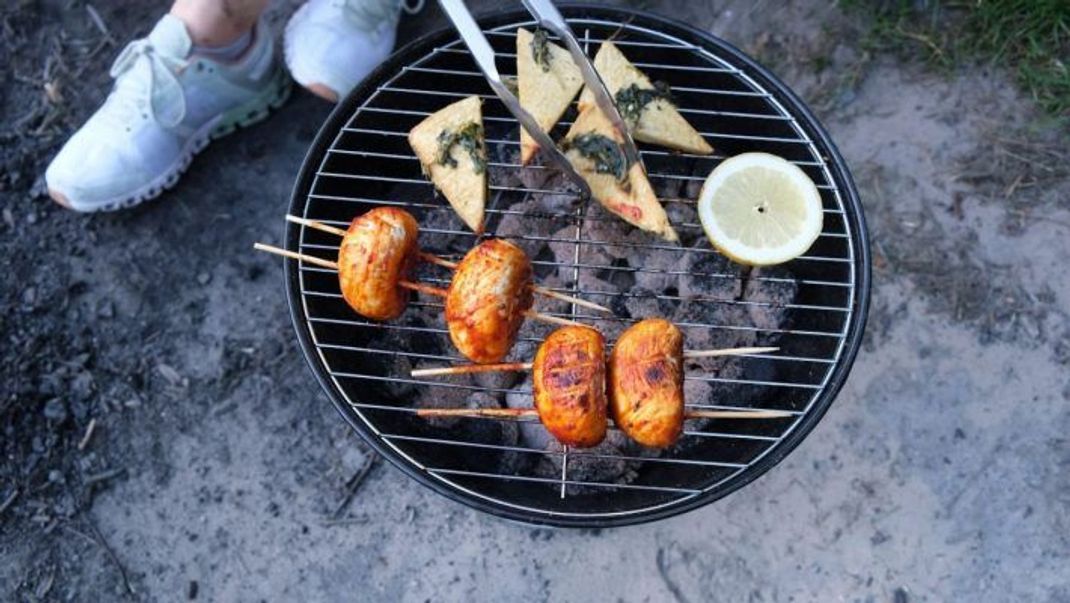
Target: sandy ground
[(941, 473)]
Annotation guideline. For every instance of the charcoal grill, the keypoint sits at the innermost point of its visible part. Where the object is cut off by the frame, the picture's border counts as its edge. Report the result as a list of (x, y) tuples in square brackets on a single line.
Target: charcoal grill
[(813, 308)]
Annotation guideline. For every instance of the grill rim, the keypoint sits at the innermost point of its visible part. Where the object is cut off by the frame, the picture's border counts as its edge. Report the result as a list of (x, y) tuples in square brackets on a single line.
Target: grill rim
[(837, 166)]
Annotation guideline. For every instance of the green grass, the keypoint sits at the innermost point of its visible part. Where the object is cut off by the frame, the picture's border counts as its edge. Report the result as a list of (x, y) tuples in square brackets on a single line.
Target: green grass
[(1031, 38)]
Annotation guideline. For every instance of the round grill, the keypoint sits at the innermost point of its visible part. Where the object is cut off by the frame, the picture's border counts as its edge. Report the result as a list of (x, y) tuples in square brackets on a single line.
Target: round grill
[(813, 308)]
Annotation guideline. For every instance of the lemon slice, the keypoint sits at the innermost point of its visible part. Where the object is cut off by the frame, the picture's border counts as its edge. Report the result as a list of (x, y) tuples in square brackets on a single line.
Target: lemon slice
[(759, 209)]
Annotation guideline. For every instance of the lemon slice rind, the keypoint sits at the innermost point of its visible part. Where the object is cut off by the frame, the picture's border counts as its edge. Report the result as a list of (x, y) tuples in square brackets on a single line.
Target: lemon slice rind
[(791, 215)]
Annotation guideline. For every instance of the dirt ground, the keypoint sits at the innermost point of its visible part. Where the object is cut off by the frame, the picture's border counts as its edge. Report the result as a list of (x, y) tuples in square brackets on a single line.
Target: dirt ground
[(214, 464)]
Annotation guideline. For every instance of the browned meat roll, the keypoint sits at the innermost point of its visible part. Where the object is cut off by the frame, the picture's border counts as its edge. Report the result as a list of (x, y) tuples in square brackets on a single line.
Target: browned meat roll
[(569, 383), (646, 382)]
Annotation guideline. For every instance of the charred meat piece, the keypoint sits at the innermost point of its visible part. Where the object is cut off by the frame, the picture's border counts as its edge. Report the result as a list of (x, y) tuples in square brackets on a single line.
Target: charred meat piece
[(488, 296), (378, 251), (569, 385), (646, 382)]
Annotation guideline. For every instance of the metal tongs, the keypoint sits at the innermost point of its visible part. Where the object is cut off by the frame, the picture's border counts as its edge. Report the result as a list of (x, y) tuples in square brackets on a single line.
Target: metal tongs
[(547, 17)]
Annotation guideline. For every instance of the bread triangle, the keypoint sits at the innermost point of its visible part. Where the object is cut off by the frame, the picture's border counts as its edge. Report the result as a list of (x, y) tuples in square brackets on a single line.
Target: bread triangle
[(659, 122), (461, 178), (630, 197), (545, 90)]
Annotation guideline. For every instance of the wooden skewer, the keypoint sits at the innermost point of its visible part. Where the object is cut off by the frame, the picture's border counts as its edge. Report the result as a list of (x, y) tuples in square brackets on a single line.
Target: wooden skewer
[(517, 413), (316, 224), (543, 291), (736, 414), (465, 369), (691, 354), (422, 288), (478, 412), (431, 258), (286, 253), (427, 289)]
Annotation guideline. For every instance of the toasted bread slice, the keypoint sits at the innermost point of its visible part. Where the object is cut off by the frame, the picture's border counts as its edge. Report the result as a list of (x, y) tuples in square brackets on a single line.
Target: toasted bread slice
[(629, 195), (545, 89), (659, 122), (460, 173)]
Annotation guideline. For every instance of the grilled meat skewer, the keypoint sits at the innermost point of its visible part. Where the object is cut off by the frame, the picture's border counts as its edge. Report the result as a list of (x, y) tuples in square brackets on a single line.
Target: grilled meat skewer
[(487, 300), (569, 385), (646, 382), (644, 385)]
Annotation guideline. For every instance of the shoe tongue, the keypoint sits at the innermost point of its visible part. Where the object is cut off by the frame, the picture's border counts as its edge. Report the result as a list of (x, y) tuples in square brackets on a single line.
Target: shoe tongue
[(170, 37)]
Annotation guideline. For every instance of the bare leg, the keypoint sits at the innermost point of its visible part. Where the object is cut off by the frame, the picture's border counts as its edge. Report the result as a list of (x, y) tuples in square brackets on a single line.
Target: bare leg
[(218, 22)]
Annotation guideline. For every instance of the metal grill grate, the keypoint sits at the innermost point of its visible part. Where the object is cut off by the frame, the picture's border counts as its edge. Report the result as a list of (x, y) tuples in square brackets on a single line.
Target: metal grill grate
[(813, 308)]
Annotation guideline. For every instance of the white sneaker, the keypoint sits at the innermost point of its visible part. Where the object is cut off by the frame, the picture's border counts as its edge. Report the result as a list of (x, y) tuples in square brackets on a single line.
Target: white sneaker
[(165, 107), (331, 45)]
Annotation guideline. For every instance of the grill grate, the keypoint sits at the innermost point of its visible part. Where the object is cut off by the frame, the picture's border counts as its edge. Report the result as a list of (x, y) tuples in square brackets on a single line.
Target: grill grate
[(813, 308)]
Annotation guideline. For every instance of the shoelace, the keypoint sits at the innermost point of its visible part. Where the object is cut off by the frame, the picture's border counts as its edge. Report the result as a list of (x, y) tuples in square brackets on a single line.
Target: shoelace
[(369, 14), (166, 101)]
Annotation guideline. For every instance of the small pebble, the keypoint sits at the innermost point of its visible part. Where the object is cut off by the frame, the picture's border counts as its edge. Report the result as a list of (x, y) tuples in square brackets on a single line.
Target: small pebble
[(204, 278), (55, 410), (31, 218)]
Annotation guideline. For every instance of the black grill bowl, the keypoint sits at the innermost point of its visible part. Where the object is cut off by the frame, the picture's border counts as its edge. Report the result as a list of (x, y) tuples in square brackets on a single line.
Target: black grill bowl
[(361, 159)]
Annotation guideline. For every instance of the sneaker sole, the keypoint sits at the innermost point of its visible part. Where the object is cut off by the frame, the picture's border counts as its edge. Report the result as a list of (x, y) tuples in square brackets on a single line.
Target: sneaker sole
[(256, 110)]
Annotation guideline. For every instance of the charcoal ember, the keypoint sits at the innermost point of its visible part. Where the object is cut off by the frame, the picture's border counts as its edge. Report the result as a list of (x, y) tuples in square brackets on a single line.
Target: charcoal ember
[(668, 188), (775, 295), (682, 214), (543, 263), (567, 201), (619, 273), (497, 380), (708, 275), (438, 219), (398, 389), (693, 188), (538, 176), (591, 464), (531, 433), (530, 218), (699, 392), (469, 429), (647, 303)]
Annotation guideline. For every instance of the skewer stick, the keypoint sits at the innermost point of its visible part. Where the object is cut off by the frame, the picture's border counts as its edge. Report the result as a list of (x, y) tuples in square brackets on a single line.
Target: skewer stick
[(736, 414), (431, 258), (726, 352), (316, 224), (570, 299), (472, 368), (427, 289), (286, 253), (422, 288), (440, 292), (518, 413), (465, 369), (561, 322), (504, 413)]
